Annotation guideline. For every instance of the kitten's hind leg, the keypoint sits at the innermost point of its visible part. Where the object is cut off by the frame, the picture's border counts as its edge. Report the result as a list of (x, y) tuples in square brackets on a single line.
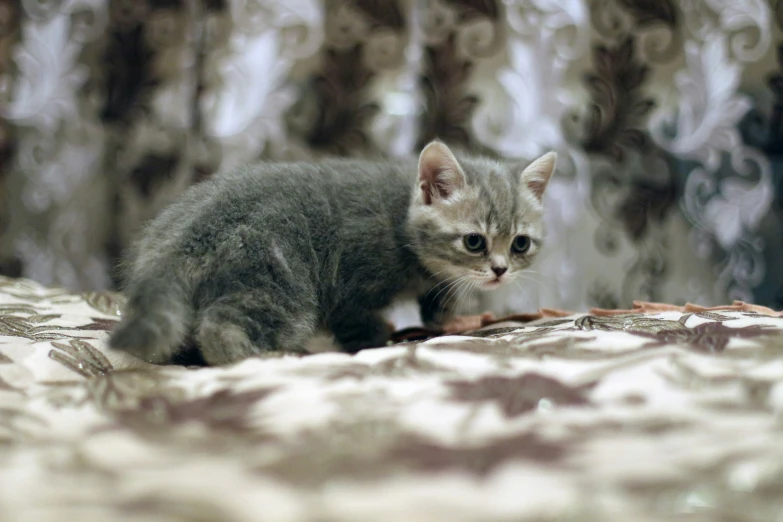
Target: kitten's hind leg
[(223, 342), (156, 319), (239, 326)]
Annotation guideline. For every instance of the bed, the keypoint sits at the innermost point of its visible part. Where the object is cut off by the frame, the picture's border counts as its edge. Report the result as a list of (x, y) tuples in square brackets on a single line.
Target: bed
[(659, 412)]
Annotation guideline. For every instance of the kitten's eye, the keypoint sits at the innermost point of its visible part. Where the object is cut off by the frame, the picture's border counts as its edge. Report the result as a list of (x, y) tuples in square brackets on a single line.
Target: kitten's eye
[(520, 245), (474, 242)]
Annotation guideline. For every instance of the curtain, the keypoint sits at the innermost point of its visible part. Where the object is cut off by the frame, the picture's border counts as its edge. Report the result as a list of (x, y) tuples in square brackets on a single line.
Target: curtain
[(666, 115)]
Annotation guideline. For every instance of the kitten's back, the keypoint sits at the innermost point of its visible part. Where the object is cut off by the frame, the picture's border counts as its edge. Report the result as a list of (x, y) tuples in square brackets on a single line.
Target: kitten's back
[(308, 228)]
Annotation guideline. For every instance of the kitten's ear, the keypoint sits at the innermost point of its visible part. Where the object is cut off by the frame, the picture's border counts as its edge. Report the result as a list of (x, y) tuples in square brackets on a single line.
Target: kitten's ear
[(439, 172), (536, 175)]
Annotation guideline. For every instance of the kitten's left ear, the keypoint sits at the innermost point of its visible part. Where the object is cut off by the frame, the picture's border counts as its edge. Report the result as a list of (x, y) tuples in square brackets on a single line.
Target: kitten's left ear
[(536, 175)]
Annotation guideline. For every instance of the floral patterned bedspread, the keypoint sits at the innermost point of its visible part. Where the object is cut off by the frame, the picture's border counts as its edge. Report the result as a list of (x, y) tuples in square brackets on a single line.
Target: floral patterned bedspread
[(652, 414)]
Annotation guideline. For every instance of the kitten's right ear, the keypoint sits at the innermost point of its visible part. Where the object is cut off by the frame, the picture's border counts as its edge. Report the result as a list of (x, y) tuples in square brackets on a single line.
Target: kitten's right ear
[(536, 175), (440, 175)]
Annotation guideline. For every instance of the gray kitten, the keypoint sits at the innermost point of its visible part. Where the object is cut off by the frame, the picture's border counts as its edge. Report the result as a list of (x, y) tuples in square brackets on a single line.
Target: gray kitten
[(263, 257)]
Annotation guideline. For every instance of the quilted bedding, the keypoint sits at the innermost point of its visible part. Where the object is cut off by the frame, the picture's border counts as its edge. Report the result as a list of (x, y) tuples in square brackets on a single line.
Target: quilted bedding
[(656, 413)]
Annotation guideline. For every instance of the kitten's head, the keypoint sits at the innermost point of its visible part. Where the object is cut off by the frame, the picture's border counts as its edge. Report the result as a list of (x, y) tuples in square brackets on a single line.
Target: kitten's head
[(477, 218)]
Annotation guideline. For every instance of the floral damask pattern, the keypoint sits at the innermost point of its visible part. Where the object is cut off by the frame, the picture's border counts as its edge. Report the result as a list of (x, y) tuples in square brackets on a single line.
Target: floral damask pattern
[(9, 32), (666, 117), (653, 413)]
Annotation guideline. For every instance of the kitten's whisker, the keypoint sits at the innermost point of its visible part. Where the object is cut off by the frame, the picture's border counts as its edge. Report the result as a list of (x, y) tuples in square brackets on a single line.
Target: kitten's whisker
[(465, 291), (454, 290), (457, 296), (463, 281), (526, 278), (467, 296), (432, 276), (476, 291), (540, 274), (446, 288), (448, 281), (439, 284), (444, 280), (518, 284)]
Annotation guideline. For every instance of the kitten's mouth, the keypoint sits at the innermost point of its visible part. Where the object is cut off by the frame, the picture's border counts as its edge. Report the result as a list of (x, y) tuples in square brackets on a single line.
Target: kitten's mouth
[(484, 282)]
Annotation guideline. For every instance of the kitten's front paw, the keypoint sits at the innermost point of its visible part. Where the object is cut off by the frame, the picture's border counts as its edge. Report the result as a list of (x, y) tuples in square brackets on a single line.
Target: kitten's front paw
[(466, 323)]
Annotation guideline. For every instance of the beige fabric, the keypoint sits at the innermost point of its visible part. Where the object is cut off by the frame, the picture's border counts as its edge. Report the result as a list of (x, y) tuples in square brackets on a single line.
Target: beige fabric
[(635, 417)]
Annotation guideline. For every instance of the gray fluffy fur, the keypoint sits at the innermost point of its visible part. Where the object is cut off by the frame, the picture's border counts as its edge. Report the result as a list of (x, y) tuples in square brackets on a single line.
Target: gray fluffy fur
[(261, 258)]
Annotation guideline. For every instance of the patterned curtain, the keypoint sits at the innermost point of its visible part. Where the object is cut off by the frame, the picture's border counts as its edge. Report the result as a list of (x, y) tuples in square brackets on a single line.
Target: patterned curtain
[(666, 115)]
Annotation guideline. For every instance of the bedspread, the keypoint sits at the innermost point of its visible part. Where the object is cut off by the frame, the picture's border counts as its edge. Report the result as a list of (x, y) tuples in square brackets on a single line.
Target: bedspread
[(650, 414)]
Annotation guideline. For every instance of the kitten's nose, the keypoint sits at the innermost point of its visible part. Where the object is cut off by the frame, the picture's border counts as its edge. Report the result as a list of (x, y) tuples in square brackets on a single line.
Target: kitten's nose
[(499, 270)]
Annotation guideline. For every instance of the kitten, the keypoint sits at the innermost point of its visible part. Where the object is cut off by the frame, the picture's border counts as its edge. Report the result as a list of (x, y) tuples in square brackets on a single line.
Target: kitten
[(263, 257)]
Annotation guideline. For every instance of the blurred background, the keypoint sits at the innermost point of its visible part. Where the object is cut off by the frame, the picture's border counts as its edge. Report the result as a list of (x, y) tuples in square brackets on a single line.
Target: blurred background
[(666, 115)]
